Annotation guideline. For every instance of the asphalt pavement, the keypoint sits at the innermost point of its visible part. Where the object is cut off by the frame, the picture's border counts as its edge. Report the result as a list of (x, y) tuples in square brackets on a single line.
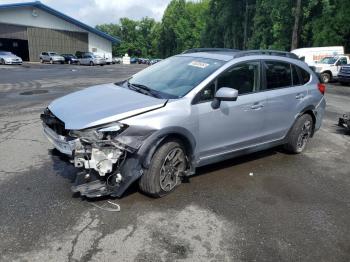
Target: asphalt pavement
[(268, 206)]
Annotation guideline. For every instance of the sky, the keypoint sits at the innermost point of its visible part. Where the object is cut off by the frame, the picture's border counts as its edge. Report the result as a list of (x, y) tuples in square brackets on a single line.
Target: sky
[(94, 12)]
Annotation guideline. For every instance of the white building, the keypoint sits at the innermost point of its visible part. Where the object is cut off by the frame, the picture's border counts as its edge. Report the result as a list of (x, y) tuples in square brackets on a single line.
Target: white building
[(27, 29)]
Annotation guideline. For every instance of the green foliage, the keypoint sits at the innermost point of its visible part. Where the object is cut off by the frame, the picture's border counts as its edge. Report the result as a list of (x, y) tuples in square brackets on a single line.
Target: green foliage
[(254, 24)]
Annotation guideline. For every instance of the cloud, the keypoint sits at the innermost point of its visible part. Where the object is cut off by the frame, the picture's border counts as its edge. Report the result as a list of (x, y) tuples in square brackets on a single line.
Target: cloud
[(93, 12)]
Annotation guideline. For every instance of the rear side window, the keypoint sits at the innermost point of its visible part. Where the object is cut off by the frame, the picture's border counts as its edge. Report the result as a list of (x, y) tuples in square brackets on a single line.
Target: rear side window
[(295, 76), (278, 74), (305, 76)]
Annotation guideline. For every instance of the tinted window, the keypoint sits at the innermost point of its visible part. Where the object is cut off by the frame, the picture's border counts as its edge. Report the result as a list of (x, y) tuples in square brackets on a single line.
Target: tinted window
[(207, 94), (244, 77), (305, 76), (295, 76), (343, 61), (278, 74)]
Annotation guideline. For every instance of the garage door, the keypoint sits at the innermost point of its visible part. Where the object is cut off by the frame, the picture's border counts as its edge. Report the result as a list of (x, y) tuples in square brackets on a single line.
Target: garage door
[(14, 39), (41, 40)]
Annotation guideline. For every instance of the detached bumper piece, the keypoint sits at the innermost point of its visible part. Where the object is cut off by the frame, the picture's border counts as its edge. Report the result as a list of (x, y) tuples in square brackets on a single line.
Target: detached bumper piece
[(345, 121)]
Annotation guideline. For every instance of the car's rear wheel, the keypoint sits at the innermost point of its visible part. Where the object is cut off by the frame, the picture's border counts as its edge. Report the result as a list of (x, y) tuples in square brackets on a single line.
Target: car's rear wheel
[(166, 168), (300, 134), (326, 77), (78, 63)]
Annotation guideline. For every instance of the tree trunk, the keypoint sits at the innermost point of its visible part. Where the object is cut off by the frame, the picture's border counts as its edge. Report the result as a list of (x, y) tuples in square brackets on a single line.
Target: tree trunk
[(296, 28), (245, 26)]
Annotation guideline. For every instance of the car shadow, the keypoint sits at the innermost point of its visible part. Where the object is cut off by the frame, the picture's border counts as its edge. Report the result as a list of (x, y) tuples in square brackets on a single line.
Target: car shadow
[(238, 161), (65, 169)]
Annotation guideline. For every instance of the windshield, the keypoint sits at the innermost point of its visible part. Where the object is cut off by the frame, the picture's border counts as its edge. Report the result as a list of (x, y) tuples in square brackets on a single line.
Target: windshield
[(5, 53), (328, 60), (176, 76), (53, 54)]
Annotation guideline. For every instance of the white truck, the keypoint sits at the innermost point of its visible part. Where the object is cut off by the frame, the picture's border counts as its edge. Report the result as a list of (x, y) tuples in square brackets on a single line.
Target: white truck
[(326, 60)]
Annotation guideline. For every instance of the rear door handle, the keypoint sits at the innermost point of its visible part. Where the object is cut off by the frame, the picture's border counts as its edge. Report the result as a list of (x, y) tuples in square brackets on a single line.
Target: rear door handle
[(299, 96), (257, 106)]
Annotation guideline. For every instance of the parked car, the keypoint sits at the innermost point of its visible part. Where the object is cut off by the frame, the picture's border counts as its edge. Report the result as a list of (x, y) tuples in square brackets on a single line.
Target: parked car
[(344, 75), (154, 61), (8, 58), (116, 60), (70, 59), (133, 60), (51, 57), (187, 111), (91, 59)]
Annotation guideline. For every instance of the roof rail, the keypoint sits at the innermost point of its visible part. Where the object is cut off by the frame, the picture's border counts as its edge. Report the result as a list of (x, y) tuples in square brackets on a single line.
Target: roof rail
[(196, 50), (266, 52)]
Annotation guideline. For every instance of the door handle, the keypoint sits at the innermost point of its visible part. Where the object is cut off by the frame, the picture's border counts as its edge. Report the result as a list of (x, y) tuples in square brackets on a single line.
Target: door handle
[(299, 96), (257, 106)]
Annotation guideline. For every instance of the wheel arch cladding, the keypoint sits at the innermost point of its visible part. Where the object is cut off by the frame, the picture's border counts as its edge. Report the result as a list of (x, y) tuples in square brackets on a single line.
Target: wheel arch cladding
[(148, 149)]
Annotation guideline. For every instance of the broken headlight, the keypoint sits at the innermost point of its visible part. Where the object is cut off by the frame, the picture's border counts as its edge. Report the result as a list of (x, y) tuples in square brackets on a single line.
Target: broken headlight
[(99, 133)]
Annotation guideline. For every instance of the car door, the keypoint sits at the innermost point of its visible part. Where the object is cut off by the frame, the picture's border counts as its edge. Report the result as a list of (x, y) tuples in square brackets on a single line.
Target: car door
[(286, 94), (235, 124)]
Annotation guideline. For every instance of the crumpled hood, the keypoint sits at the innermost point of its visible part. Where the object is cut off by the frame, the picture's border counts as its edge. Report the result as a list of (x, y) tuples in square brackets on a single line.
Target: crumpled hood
[(101, 104)]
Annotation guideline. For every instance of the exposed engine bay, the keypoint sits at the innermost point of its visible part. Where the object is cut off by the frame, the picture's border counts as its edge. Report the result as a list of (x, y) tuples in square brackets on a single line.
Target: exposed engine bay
[(105, 155)]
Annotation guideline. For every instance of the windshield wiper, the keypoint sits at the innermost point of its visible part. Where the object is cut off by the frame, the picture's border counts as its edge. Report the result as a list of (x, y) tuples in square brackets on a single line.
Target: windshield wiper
[(144, 89)]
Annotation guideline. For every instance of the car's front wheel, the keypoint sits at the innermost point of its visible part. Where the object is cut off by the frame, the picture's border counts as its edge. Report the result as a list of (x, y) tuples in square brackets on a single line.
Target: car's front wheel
[(300, 134), (2, 61), (166, 168)]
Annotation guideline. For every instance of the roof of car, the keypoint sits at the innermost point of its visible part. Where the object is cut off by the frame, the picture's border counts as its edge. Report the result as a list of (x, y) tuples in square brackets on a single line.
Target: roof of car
[(226, 54)]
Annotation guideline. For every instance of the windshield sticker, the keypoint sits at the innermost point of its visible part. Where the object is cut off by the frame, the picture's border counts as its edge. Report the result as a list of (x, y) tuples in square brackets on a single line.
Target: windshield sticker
[(198, 64)]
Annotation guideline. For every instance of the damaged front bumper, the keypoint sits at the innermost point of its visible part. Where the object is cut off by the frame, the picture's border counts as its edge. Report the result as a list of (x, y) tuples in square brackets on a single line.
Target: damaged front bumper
[(107, 160)]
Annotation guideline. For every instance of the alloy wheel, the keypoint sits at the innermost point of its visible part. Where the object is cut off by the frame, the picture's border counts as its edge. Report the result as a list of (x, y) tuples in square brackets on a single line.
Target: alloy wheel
[(174, 164), (304, 135)]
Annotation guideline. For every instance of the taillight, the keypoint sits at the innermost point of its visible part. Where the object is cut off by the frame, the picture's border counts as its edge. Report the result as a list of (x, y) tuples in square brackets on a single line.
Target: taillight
[(321, 88)]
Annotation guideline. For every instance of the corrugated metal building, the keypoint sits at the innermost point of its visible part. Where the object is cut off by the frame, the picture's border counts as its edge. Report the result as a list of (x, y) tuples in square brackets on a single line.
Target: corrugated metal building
[(27, 29)]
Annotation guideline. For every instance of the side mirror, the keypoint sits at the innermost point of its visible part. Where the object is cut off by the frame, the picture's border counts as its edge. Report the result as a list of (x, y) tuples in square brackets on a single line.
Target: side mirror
[(224, 94)]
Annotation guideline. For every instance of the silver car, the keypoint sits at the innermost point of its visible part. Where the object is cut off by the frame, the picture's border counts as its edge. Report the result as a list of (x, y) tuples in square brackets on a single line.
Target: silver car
[(91, 59), (184, 112), (8, 58), (51, 57)]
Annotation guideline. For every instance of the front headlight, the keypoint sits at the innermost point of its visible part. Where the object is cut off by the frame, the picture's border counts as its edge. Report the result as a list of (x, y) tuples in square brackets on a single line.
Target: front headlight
[(99, 133)]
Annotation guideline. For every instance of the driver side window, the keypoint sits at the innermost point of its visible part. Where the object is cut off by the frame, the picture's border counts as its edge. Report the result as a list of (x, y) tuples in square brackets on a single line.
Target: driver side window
[(244, 77)]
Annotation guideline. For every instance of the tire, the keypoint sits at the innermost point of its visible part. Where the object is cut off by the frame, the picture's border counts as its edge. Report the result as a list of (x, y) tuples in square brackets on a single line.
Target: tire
[(2, 61), (326, 78), (78, 63), (299, 135), (91, 63), (162, 177)]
